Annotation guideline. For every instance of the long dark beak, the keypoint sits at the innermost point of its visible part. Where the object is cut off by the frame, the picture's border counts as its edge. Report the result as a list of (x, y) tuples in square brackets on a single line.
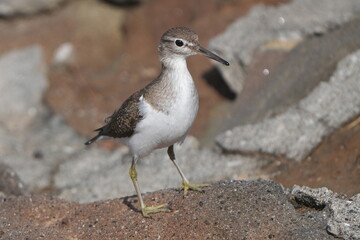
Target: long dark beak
[(211, 55)]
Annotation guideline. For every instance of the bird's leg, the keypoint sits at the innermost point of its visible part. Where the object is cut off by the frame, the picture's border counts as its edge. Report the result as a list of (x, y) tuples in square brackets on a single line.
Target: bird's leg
[(186, 185), (144, 209)]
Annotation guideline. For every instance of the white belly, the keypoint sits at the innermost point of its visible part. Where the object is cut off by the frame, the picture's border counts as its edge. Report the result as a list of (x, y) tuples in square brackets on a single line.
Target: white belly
[(158, 129)]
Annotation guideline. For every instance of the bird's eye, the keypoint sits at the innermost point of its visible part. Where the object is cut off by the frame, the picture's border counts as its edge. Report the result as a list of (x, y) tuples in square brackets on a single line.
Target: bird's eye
[(179, 43)]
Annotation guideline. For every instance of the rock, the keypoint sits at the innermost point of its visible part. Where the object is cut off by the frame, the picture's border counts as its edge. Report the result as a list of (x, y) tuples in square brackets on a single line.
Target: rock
[(10, 183), (22, 84), (344, 218), (95, 174), (293, 134), (297, 73), (33, 142), (337, 101), (297, 131), (288, 22), (225, 210), (104, 175), (316, 198), (10, 8), (36, 155)]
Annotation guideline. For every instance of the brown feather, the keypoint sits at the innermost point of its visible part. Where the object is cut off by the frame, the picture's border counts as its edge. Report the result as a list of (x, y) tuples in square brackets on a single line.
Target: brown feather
[(123, 121)]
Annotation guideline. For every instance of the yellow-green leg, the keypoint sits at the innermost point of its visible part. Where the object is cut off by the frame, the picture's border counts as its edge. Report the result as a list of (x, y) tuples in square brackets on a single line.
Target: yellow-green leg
[(186, 185), (144, 209)]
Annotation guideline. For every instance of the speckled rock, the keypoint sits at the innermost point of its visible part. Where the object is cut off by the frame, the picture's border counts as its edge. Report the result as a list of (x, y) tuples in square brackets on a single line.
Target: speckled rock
[(301, 128), (22, 84), (287, 23), (292, 134), (10, 183), (344, 217), (337, 101), (226, 210)]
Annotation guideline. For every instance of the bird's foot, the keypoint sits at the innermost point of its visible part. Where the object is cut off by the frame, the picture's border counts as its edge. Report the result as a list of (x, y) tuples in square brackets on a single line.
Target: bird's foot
[(192, 186), (154, 209)]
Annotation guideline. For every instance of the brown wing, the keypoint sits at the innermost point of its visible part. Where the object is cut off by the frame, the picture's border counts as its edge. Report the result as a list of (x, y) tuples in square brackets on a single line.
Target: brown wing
[(123, 121)]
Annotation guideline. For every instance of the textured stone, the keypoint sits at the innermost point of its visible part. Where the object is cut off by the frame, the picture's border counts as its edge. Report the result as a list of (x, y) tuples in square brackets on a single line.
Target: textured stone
[(288, 22), (297, 131), (338, 100), (299, 71), (292, 134), (316, 198), (226, 210), (22, 84), (10, 183), (344, 217)]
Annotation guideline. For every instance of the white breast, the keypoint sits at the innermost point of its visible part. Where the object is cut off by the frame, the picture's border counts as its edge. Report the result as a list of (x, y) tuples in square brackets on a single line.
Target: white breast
[(159, 129)]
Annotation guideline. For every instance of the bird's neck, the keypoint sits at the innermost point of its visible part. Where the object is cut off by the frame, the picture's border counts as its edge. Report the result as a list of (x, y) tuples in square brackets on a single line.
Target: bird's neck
[(175, 69), (173, 85), (173, 63)]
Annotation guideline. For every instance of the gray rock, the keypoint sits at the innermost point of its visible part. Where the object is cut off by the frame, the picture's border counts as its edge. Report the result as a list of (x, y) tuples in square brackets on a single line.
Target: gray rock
[(98, 174), (38, 155), (22, 83), (338, 100), (344, 217), (316, 198), (297, 74), (293, 134), (93, 175), (297, 131), (10, 183), (288, 22), (32, 142), (9, 8)]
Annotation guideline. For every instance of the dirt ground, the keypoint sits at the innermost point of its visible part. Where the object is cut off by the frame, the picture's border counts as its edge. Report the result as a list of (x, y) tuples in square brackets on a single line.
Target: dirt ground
[(115, 54)]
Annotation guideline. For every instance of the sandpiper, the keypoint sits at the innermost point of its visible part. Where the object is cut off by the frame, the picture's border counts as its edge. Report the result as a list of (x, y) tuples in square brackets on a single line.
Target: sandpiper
[(160, 114)]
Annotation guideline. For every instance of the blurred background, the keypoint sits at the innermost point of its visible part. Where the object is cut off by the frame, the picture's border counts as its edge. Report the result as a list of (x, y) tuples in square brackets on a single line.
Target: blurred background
[(88, 56)]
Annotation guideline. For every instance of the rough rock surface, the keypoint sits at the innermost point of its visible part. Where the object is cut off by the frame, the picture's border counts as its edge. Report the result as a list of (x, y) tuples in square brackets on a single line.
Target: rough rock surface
[(10, 183), (293, 134), (22, 84), (297, 131), (9, 8), (292, 74), (289, 22), (344, 217), (226, 210), (337, 101)]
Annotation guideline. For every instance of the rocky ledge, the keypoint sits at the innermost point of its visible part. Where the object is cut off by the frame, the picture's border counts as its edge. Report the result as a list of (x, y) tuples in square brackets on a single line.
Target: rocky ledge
[(226, 210)]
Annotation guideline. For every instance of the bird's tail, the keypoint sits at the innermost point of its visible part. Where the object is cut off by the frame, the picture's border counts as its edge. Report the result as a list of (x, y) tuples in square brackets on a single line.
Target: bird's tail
[(94, 139)]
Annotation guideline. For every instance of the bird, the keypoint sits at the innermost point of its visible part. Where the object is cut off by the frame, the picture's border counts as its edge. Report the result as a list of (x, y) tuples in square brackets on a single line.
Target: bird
[(160, 114)]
